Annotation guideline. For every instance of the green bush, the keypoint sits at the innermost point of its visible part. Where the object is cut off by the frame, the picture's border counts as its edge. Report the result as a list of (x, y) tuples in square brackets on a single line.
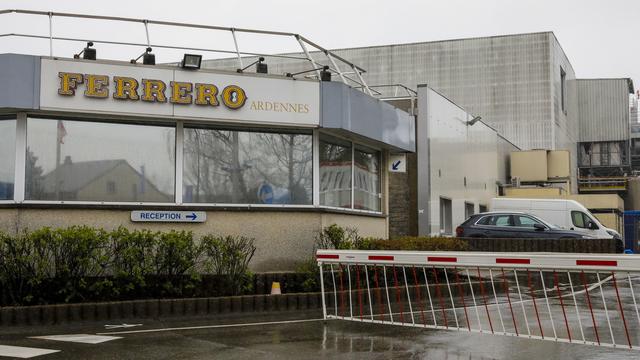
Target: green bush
[(80, 263), (24, 266), (133, 259), (229, 257), (336, 237)]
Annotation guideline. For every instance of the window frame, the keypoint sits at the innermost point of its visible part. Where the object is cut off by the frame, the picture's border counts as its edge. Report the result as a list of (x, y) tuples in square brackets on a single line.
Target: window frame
[(535, 221), (383, 175), (16, 159), (276, 131), (584, 217), (100, 120), (493, 225)]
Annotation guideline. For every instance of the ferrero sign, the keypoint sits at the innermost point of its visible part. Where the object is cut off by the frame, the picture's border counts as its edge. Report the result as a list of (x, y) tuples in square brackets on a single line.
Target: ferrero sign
[(130, 89), (112, 89)]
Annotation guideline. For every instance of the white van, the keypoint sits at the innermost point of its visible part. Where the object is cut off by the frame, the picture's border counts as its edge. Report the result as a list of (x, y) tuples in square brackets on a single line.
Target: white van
[(566, 214)]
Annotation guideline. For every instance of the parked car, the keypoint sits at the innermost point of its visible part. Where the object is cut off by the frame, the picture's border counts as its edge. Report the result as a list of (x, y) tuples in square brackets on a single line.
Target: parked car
[(503, 224)]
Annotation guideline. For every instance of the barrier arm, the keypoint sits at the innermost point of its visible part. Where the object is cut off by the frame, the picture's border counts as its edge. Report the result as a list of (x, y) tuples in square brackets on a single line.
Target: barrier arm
[(587, 299)]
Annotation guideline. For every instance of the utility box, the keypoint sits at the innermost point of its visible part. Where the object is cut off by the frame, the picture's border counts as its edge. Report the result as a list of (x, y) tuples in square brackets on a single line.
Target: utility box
[(632, 230), (558, 164), (529, 166)]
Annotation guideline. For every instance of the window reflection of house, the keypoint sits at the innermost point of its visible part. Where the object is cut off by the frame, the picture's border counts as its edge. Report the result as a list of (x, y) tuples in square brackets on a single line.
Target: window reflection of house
[(101, 180)]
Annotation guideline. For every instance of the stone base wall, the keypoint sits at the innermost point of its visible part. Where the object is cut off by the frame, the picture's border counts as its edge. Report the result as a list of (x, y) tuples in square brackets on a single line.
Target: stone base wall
[(283, 238)]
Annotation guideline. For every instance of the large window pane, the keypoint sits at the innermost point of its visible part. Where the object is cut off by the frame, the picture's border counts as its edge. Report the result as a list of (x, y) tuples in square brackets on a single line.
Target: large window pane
[(232, 167), (7, 158), (367, 179), (91, 161), (335, 173)]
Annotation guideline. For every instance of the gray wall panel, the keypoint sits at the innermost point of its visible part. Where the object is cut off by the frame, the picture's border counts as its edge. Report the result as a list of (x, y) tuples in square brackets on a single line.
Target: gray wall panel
[(348, 109), (20, 79), (604, 109)]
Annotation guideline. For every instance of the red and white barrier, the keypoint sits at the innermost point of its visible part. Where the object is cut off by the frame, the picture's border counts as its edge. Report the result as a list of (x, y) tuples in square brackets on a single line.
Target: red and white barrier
[(573, 298)]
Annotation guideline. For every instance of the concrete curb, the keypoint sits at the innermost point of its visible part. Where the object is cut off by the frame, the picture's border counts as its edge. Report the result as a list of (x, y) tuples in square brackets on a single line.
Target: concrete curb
[(155, 309)]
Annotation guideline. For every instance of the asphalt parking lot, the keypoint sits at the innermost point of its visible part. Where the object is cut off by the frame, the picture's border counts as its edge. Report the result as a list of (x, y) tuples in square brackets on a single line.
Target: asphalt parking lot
[(282, 336)]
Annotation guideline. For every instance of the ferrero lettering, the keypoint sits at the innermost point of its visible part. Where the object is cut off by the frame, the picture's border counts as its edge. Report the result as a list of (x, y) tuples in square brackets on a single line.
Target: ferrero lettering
[(126, 88), (179, 92), (68, 83), (233, 97), (97, 86), (207, 94), (153, 90)]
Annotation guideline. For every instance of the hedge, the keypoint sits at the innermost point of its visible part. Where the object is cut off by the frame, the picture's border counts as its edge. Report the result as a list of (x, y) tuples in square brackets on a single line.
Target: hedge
[(337, 237), (81, 263)]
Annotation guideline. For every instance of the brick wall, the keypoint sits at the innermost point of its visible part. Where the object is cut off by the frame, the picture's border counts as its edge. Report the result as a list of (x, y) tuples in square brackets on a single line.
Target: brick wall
[(403, 213)]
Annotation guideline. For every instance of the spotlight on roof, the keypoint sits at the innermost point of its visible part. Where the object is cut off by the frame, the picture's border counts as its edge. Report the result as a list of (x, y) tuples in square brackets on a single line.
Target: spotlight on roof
[(147, 58), (325, 74), (87, 53), (473, 121), (191, 61), (261, 67)]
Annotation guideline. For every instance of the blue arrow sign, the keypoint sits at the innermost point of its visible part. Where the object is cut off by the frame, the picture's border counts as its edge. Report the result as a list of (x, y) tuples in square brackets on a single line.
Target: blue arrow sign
[(193, 216), (395, 165)]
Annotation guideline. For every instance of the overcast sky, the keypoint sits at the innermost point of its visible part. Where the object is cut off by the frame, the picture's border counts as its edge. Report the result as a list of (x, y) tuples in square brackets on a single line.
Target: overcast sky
[(601, 38)]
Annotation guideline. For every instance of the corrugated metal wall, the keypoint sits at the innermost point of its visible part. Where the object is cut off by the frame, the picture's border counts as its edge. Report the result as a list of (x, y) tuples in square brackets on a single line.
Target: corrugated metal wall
[(603, 109), (508, 80)]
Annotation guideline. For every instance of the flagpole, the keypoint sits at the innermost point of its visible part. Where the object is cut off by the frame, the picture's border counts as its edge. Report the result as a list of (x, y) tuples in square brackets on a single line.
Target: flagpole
[(58, 155)]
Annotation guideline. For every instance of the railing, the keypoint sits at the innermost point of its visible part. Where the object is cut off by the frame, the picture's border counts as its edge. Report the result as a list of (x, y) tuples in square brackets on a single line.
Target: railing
[(602, 183), (337, 64), (582, 299)]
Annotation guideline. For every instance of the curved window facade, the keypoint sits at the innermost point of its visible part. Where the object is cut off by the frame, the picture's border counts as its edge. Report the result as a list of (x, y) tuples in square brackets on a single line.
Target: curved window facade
[(8, 158), (97, 161)]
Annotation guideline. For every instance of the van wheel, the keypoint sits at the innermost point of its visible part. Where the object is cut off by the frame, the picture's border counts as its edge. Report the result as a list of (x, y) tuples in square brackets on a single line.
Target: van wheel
[(619, 247)]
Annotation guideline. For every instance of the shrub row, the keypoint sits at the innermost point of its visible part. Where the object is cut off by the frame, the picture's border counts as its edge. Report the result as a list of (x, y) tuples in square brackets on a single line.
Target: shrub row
[(337, 237), (81, 263)]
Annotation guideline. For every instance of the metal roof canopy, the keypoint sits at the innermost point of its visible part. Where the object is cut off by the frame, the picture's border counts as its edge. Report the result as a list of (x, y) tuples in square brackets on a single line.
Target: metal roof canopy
[(334, 61)]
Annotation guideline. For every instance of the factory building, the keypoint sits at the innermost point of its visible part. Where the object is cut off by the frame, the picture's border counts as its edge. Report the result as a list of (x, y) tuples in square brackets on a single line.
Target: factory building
[(410, 141), (524, 87)]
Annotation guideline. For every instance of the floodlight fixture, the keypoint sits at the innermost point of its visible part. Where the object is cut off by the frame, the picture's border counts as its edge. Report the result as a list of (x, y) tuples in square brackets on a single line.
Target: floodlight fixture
[(191, 61), (147, 57), (324, 73), (261, 67), (473, 121), (88, 53)]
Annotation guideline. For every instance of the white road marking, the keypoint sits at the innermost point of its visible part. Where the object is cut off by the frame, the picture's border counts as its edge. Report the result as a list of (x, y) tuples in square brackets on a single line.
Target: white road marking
[(209, 327), (23, 352), (122, 326), (78, 338)]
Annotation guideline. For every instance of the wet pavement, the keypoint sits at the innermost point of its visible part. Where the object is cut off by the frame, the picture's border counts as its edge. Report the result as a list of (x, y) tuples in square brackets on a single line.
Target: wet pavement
[(292, 336)]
